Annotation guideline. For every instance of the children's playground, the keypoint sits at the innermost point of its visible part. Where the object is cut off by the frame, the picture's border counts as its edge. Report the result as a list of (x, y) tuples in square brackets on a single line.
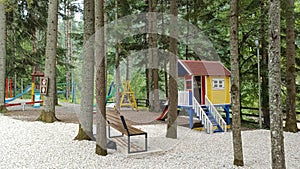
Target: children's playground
[(32, 89), (203, 126), (204, 99), (31, 94)]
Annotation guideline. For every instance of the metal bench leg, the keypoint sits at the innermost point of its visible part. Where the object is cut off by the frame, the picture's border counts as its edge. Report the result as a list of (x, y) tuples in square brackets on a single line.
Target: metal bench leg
[(146, 145), (128, 144), (109, 131), (146, 142)]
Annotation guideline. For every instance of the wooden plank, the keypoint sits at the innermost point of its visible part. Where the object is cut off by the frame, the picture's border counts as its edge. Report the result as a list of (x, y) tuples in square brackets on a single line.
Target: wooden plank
[(133, 130)]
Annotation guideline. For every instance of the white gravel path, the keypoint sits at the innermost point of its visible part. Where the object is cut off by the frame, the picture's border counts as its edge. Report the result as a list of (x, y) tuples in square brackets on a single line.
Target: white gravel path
[(40, 145)]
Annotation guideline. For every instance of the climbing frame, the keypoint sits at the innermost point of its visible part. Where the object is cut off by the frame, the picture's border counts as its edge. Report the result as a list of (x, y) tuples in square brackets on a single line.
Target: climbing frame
[(128, 98)]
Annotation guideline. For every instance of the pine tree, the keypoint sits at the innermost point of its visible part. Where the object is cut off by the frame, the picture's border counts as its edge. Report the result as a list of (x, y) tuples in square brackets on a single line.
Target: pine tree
[(87, 92), (48, 114), (291, 118), (235, 87), (101, 147), (2, 56), (173, 92), (276, 116)]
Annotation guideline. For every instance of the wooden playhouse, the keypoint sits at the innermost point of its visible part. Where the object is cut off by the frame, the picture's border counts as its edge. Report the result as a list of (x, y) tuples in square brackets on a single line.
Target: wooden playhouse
[(210, 78), (206, 86)]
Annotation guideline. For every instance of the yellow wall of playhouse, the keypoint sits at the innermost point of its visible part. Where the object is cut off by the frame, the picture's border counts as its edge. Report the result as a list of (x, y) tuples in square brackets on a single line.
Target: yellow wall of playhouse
[(218, 96)]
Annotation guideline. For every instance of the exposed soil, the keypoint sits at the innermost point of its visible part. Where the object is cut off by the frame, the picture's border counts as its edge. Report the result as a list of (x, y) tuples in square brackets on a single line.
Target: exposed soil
[(66, 112)]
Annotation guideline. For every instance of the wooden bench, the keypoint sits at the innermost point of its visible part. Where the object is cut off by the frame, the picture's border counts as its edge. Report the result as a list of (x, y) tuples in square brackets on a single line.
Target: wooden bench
[(118, 122)]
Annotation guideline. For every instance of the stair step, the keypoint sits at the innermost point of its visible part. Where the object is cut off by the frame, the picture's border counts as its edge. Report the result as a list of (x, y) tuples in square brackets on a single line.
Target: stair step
[(197, 125), (218, 131)]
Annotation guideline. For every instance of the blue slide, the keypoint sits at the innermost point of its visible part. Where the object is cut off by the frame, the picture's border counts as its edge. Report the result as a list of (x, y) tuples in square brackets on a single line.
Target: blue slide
[(27, 89)]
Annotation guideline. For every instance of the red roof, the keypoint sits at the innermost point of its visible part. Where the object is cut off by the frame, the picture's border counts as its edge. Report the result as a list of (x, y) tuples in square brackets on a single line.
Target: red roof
[(37, 73), (205, 68)]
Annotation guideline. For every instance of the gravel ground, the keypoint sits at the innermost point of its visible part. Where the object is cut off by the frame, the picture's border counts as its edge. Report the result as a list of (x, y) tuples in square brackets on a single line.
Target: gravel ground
[(31, 144)]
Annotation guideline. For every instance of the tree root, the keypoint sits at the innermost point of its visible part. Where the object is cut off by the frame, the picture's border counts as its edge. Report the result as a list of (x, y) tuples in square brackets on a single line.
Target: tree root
[(82, 135), (3, 109), (47, 117)]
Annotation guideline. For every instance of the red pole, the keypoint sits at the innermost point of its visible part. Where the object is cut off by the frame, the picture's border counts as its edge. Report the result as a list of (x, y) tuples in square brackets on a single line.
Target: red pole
[(6, 88), (11, 89)]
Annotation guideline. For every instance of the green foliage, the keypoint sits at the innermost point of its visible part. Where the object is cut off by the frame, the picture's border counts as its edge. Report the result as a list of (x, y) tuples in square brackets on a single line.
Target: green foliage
[(28, 17), (26, 40), (26, 23)]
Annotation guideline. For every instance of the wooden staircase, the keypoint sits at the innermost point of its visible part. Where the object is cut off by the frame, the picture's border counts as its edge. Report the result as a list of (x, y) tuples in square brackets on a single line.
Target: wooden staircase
[(209, 117), (216, 126)]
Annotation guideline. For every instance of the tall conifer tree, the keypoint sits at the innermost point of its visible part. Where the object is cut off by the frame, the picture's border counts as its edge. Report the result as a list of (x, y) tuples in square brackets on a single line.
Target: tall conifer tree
[(235, 87), (276, 115)]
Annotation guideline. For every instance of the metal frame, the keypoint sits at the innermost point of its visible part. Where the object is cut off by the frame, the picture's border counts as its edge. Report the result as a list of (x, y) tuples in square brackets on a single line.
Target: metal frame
[(129, 143), (129, 135)]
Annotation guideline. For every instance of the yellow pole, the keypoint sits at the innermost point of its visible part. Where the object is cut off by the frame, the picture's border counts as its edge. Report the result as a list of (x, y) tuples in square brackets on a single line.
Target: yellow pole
[(32, 89)]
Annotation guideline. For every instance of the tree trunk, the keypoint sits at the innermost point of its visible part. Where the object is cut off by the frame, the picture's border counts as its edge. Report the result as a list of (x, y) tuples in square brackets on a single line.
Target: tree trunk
[(34, 50), (173, 100), (150, 83), (118, 72), (291, 120), (2, 57), (48, 114), (101, 148), (68, 47), (164, 41), (153, 54), (264, 70), (276, 119), (149, 65), (55, 95), (147, 86), (166, 79), (118, 77), (122, 9), (188, 32), (87, 91), (127, 69), (235, 87)]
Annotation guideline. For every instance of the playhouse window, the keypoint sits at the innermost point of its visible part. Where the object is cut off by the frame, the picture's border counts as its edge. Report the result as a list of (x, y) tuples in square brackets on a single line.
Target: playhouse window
[(218, 84), (188, 84)]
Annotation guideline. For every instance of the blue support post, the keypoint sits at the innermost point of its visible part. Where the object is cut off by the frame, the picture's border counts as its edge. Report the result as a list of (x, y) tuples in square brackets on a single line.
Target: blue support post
[(191, 116), (190, 98), (227, 110)]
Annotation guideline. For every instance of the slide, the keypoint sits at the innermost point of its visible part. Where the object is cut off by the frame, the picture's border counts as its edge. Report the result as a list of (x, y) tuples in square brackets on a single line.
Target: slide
[(164, 114), (111, 92), (27, 89)]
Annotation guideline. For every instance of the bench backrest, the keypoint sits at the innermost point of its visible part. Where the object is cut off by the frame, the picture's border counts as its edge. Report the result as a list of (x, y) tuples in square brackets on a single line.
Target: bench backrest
[(124, 123)]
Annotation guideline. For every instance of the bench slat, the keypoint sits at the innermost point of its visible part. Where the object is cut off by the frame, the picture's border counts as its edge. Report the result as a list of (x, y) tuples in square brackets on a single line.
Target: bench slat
[(135, 130)]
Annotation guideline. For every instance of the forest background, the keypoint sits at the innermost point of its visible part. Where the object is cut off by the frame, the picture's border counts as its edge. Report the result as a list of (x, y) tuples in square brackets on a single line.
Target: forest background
[(26, 41)]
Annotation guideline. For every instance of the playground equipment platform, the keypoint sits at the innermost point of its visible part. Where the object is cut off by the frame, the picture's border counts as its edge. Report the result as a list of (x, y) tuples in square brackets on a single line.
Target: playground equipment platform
[(207, 114)]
